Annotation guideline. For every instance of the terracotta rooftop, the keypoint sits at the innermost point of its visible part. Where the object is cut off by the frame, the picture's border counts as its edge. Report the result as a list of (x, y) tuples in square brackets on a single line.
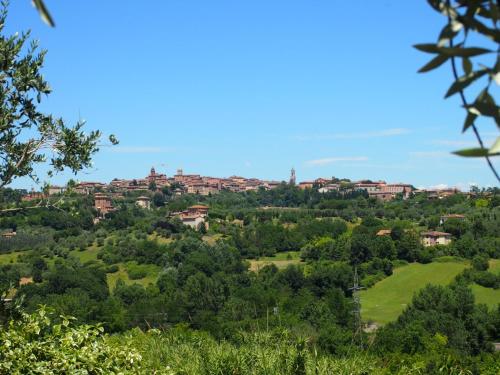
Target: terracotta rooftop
[(199, 206), (435, 234)]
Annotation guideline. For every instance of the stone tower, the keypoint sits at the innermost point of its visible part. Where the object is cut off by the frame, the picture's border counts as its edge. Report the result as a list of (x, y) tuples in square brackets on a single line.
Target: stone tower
[(292, 177)]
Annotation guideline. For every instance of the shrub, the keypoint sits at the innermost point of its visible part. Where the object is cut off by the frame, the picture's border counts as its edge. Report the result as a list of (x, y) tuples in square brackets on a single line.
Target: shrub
[(35, 345), (480, 263), (136, 271), (112, 269), (487, 279)]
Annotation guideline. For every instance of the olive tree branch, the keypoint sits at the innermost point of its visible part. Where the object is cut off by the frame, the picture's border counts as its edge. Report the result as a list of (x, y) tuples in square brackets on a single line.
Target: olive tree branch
[(463, 98)]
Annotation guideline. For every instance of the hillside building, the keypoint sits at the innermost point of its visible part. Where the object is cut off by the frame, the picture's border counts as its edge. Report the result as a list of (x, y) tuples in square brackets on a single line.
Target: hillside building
[(143, 202), (102, 203), (434, 238)]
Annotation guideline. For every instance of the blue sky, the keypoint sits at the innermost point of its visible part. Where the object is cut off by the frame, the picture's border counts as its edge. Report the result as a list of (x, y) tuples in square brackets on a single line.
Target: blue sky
[(255, 88)]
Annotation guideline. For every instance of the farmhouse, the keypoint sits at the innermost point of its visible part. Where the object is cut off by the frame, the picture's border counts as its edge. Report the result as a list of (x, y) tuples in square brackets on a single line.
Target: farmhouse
[(102, 203), (435, 238), (451, 216), (8, 234), (195, 216), (384, 232), (198, 209), (143, 202), (194, 221)]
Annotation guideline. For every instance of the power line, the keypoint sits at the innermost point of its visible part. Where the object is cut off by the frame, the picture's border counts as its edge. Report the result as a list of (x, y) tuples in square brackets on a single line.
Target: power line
[(357, 336)]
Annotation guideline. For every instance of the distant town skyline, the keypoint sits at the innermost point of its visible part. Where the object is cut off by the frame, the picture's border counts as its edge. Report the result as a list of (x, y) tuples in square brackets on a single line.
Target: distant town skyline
[(161, 177), (256, 88)]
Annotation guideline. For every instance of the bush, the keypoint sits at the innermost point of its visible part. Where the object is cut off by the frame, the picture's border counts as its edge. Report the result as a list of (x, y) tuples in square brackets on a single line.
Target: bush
[(480, 263), (487, 279), (136, 271), (371, 280), (112, 269), (34, 344)]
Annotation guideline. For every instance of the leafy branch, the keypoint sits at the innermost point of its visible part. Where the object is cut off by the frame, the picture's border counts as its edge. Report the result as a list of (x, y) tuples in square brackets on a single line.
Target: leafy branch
[(463, 18), (28, 136)]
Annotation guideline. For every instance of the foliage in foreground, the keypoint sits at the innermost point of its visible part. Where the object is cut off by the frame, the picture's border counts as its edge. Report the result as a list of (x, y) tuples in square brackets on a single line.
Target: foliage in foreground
[(180, 351), (37, 344), (34, 344)]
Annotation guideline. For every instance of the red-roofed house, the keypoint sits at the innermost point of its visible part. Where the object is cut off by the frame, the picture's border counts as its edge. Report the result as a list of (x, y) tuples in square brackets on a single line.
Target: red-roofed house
[(435, 238)]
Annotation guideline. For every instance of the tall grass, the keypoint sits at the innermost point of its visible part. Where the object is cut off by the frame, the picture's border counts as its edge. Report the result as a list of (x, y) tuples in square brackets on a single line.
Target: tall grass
[(185, 352)]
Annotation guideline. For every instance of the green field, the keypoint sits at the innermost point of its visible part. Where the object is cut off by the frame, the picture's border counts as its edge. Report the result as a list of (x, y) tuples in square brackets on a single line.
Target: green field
[(280, 260), (494, 266), (488, 296), (152, 275), (86, 255), (9, 257), (386, 300)]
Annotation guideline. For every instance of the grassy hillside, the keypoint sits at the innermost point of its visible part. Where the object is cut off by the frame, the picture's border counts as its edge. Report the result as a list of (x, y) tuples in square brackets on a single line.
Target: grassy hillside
[(494, 266), (386, 300), (87, 254), (151, 270), (488, 296), (9, 257), (280, 260)]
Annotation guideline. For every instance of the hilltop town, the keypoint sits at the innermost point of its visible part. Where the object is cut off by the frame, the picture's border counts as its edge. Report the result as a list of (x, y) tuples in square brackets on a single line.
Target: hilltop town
[(181, 183)]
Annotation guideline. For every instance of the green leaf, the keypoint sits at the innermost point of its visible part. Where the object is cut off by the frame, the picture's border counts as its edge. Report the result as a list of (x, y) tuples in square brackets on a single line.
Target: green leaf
[(448, 33), (469, 120), (465, 81), (472, 152), (434, 63), (44, 12), (463, 52), (485, 105), (466, 65), (113, 139), (434, 4), (495, 148), (428, 48)]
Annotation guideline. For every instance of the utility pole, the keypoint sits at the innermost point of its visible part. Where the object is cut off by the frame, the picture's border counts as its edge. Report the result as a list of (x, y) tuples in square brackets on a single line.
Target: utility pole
[(357, 336)]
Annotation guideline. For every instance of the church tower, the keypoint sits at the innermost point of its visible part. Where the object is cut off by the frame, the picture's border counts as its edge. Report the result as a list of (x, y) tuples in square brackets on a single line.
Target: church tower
[(292, 177)]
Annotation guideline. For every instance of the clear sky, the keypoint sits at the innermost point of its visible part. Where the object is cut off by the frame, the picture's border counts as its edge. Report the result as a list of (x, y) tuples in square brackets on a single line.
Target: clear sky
[(255, 88)]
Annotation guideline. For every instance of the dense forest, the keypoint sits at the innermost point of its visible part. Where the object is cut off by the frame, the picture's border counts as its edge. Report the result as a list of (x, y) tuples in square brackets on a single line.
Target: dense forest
[(271, 276)]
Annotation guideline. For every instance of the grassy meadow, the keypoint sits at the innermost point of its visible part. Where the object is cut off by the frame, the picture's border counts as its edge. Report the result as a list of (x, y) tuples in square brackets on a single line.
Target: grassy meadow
[(280, 260), (384, 301), (9, 257)]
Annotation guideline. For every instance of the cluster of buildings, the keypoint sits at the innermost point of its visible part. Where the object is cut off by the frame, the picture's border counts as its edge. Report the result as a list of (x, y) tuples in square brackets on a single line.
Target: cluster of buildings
[(181, 183), (428, 238), (192, 183), (432, 238), (377, 189)]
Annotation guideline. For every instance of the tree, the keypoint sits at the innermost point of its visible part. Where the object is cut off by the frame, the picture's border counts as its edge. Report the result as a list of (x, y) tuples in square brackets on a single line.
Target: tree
[(383, 247), (159, 199), (480, 263), (409, 246), (360, 245), (28, 136), (466, 18)]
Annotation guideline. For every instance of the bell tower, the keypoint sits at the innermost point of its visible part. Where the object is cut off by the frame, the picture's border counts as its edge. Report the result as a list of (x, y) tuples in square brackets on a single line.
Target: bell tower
[(292, 177)]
